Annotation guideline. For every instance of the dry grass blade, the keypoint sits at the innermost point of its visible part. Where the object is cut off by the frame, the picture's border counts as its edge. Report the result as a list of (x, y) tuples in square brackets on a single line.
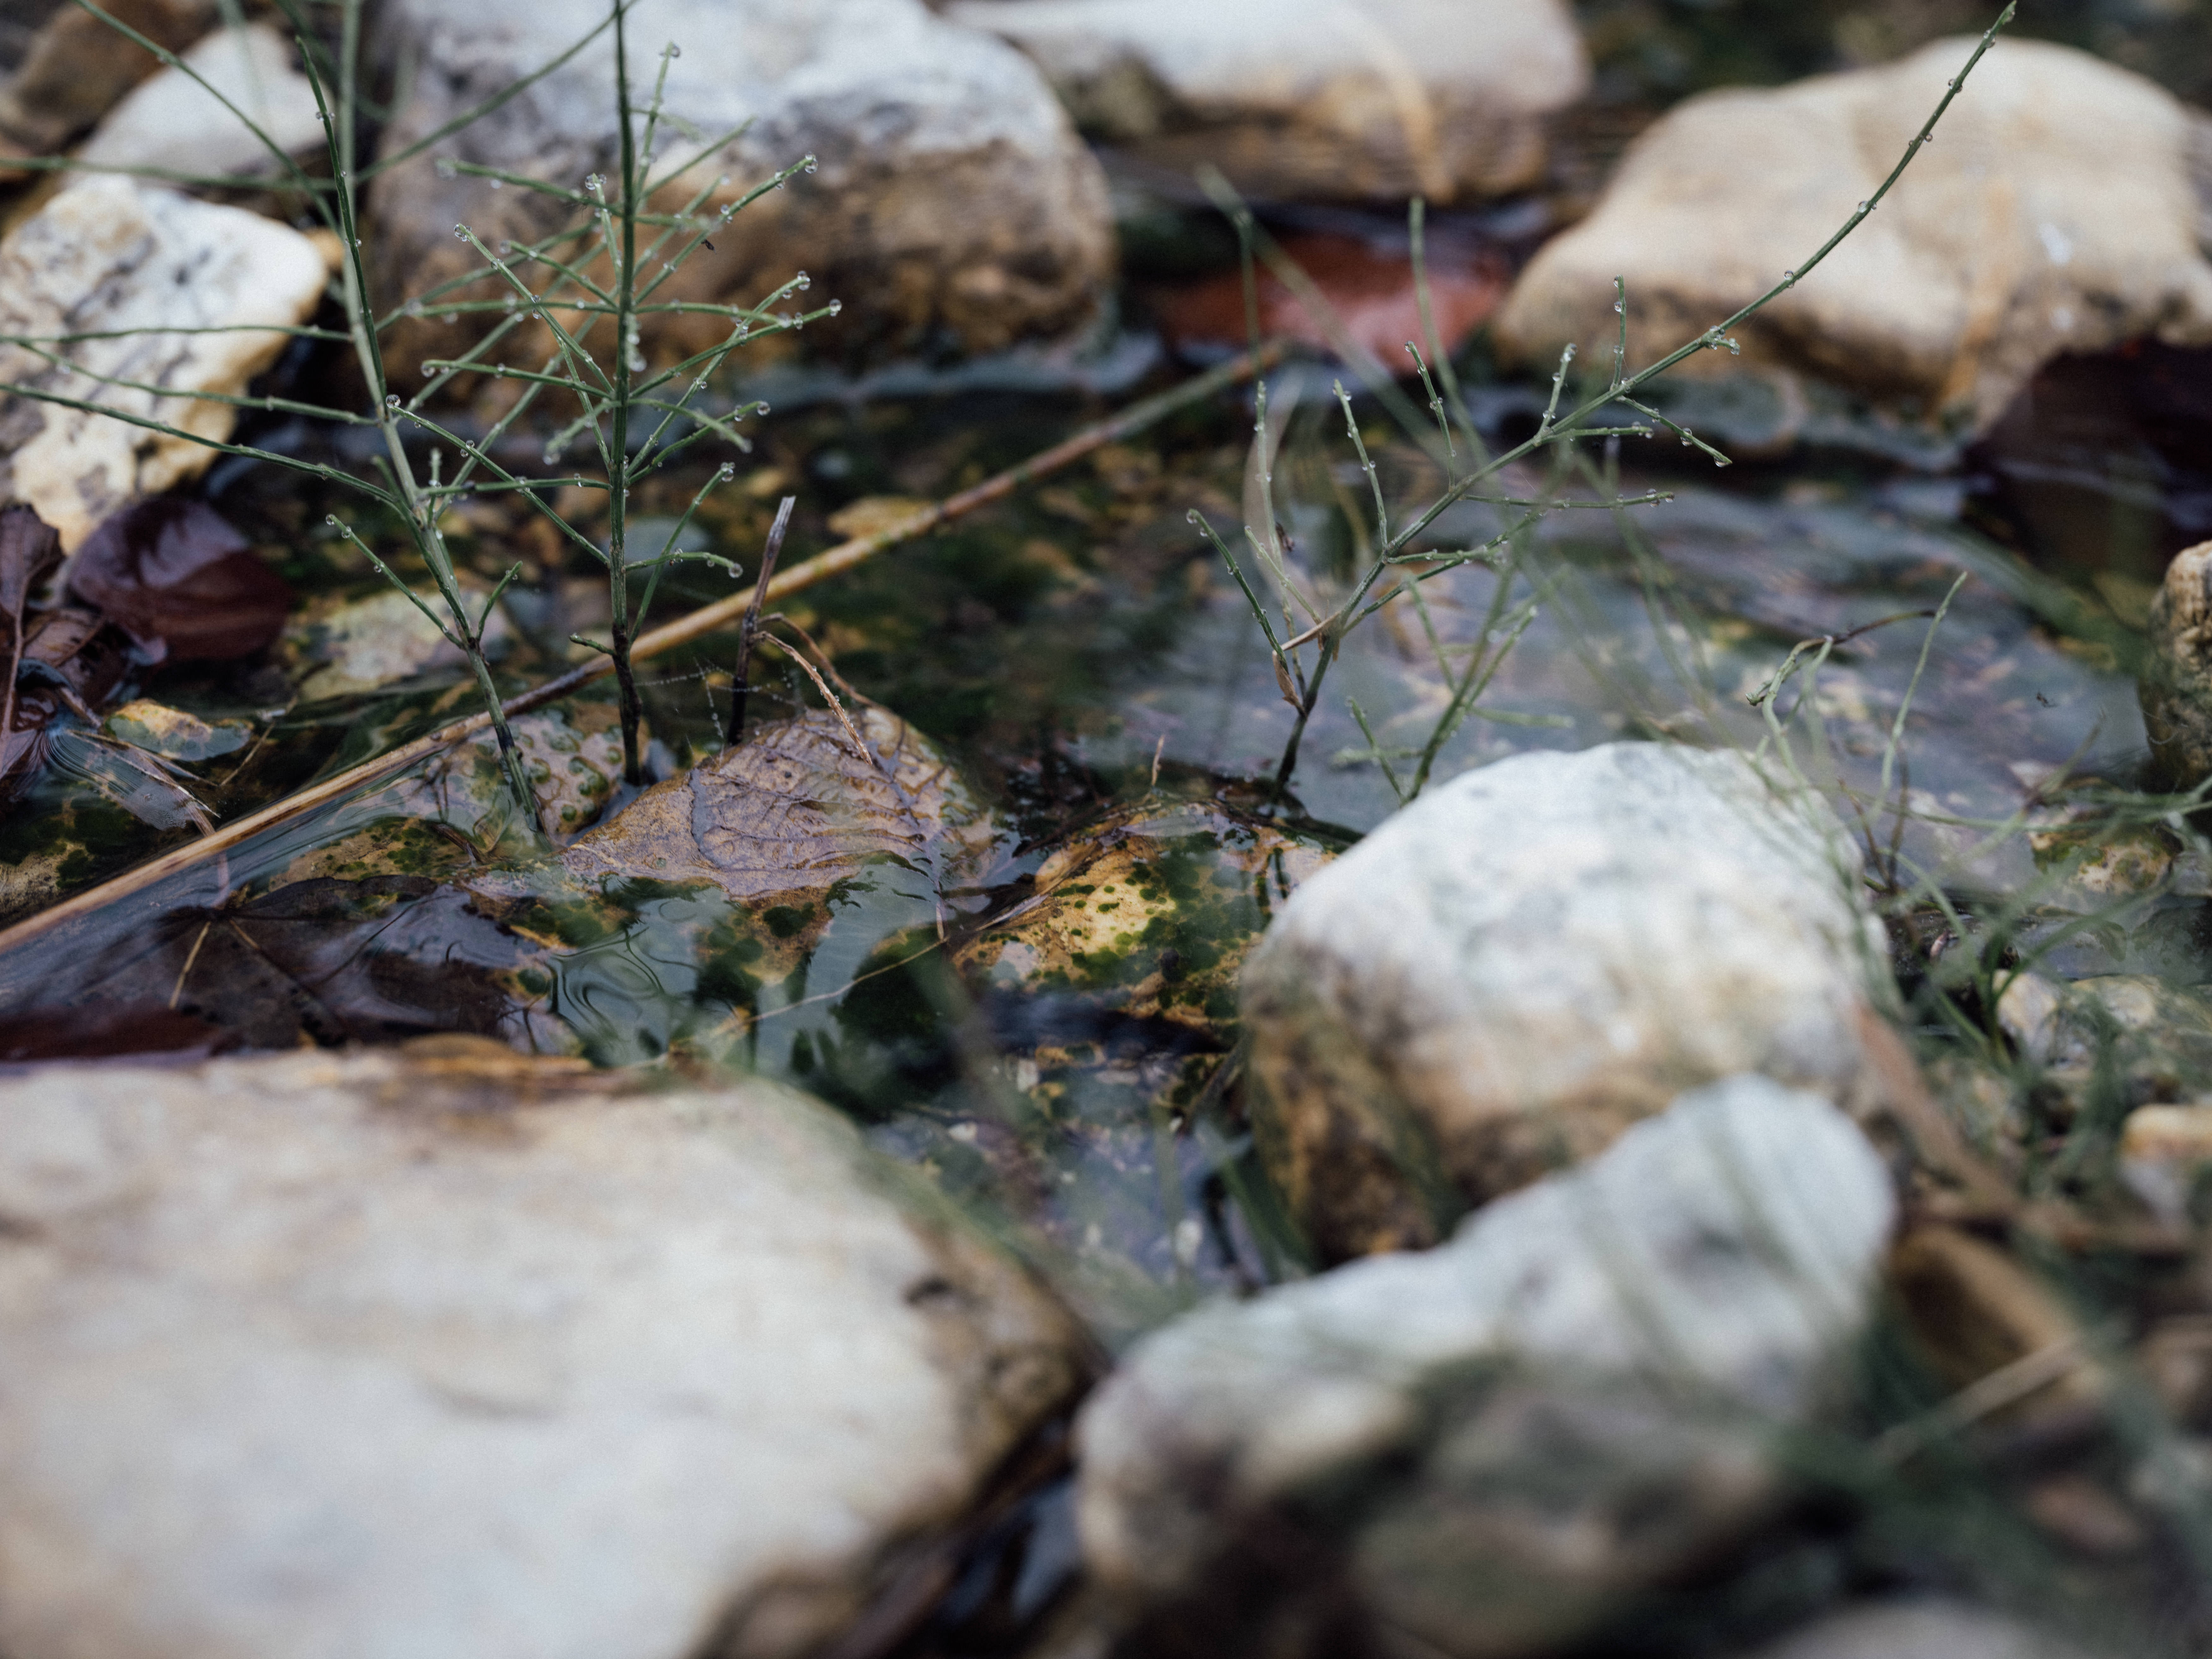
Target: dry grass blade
[(698, 624)]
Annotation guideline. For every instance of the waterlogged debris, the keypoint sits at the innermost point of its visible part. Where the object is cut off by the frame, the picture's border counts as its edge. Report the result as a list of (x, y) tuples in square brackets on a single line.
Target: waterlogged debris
[(181, 582), (2129, 1032), (1370, 292), (173, 734), (573, 759), (796, 808), (1973, 1309), (366, 644), (1149, 916), (872, 514), (326, 962)]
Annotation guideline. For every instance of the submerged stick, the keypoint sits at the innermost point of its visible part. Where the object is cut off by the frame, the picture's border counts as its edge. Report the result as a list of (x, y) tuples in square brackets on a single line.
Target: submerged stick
[(707, 619)]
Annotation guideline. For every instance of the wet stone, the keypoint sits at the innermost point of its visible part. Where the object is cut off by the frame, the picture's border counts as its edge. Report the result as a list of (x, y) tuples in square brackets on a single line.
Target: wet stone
[(446, 1352), (173, 121), (1531, 957), (1470, 1444)]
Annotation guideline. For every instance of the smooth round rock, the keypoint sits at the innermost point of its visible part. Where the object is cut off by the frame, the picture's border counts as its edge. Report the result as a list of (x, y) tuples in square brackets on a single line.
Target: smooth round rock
[(1506, 973)]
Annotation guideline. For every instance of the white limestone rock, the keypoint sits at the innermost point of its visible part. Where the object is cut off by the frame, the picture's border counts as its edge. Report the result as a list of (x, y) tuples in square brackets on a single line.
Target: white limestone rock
[(2058, 210), (1504, 975), (111, 257), (449, 1354), (953, 206), (1312, 98), (173, 121), (1487, 1445)]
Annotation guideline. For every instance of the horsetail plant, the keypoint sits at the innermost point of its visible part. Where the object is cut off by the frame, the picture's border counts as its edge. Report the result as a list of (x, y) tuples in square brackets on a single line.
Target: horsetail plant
[(1608, 409), (593, 269)]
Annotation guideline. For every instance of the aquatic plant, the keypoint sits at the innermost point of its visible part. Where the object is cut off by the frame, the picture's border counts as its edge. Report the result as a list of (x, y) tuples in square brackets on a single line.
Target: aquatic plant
[(595, 270), (1606, 408)]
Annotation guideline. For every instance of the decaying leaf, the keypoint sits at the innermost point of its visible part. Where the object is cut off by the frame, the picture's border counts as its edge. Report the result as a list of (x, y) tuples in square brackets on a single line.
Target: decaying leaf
[(794, 808), (326, 962), (1150, 916), (173, 734), (181, 582), (359, 645)]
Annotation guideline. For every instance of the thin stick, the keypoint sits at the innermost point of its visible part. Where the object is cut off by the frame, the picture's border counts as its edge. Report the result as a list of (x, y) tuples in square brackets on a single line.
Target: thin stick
[(768, 556), (684, 630)]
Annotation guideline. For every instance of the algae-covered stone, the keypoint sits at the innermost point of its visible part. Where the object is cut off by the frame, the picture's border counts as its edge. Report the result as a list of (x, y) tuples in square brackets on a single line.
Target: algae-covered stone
[(1152, 914), (445, 1353), (1507, 973)]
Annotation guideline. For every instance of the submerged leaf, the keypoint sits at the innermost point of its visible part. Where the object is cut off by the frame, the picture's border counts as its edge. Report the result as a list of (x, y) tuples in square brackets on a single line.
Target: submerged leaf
[(173, 734), (795, 809), (360, 645), (184, 585)]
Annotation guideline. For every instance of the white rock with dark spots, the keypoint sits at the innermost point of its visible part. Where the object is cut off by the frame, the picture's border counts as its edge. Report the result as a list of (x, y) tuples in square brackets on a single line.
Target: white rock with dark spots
[(133, 264), (2058, 210), (1312, 98), (456, 1355), (1574, 1393), (1507, 973)]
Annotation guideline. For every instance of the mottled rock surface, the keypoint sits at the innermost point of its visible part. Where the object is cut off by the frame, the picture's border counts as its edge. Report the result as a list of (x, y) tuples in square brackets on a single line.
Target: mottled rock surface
[(2177, 693), (1487, 1445), (173, 121), (953, 206), (1504, 975), (110, 257), (2058, 211), (449, 1353), (1312, 98)]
